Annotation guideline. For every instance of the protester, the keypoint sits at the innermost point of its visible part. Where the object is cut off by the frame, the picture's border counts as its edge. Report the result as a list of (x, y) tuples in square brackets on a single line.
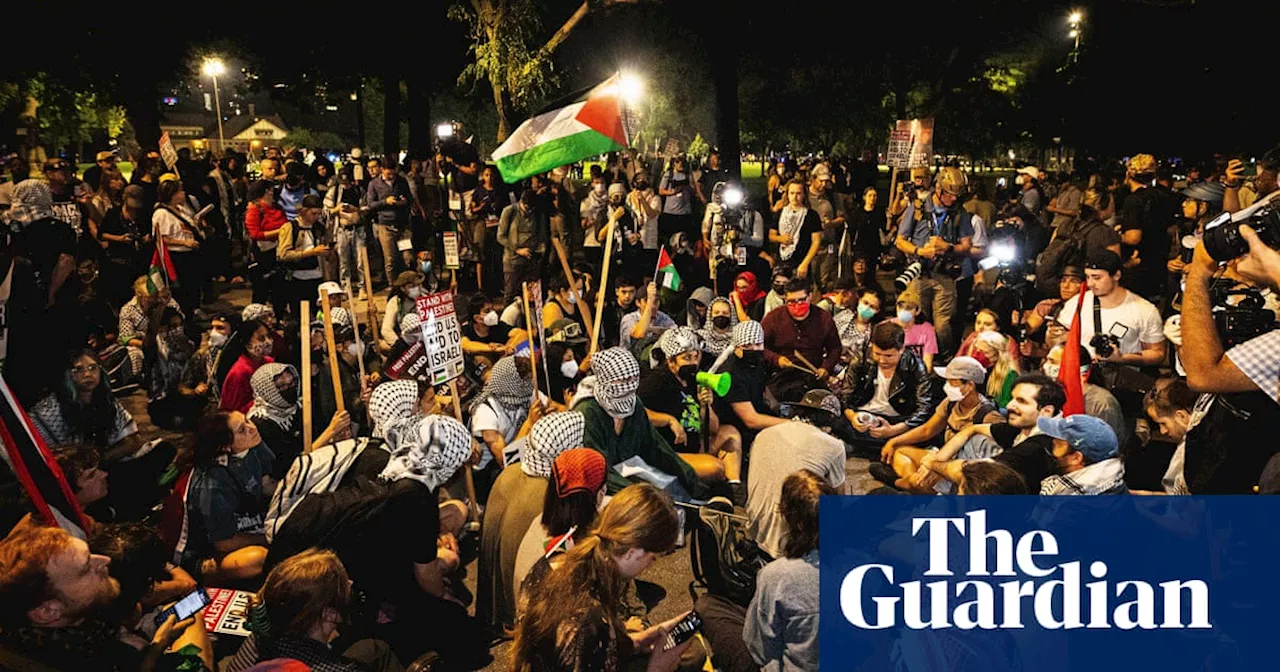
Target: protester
[(177, 226), (801, 337), (1170, 404), (521, 234), (81, 409), (301, 246), (568, 513), (646, 322), (135, 318), (717, 333), (748, 299), (893, 392), (168, 354), (1098, 401), (744, 406), (921, 339), (249, 348), (1086, 451), (263, 220)]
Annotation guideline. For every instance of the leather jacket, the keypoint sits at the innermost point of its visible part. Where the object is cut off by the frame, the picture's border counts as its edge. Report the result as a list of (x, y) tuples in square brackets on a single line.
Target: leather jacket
[(911, 392)]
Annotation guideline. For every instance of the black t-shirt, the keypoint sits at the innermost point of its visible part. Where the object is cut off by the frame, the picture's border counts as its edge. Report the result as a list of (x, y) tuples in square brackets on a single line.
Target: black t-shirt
[(662, 392), (67, 209), (42, 243), (116, 224), (804, 239), (709, 179), (1033, 458), (500, 334), (747, 384), (464, 155), (1150, 210), (863, 230), (285, 444)]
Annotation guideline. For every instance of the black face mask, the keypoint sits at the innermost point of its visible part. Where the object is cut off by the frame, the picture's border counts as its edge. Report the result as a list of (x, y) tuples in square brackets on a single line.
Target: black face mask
[(752, 358), (779, 289), (689, 374), (290, 394), (720, 321)]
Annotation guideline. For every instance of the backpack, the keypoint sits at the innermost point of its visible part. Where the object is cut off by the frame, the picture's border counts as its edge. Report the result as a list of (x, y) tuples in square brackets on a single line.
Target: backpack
[(725, 559), (321, 470), (1062, 252)]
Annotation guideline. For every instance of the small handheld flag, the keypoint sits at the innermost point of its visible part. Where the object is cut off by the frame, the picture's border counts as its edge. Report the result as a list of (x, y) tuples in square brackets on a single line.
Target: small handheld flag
[(665, 274)]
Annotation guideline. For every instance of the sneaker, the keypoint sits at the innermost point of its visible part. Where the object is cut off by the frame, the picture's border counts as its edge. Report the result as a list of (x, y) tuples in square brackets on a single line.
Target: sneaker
[(883, 473)]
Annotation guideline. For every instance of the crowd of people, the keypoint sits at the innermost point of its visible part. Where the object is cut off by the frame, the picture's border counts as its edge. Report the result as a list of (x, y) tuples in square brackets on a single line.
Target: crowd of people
[(1068, 335)]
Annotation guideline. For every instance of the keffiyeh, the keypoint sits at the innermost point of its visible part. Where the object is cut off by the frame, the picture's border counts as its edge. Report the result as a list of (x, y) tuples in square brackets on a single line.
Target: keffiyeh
[(714, 341), (748, 333), (268, 402), (428, 449), (256, 311), (551, 435), (32, 202), (390, 402), (678, 340), (411, 328), (617, 378), (506, 386)]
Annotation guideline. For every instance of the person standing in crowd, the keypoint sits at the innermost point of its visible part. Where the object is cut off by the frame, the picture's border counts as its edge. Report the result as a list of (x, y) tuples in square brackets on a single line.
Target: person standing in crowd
[(69, 199), (677, 194), (294, 189), (1032, 198), (108, 195), (862, 233), (645, 206), (388, 199), (940, 240), (342, 200), (485, 210), (1145, 217), (1065, 206), (798, 233), (263, 220), (831, 215), (521, 232), (713, 174), (126, 230), (103, 162), (182, 233), (593, 218), (301, 246)]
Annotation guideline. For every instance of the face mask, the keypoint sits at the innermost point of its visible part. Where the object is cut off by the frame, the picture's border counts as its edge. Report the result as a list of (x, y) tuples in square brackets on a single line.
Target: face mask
[(354, 349), (906, 317), (412, 336), (752, 358), (865, 312), (720, 322), (573, 298), (1019, 180), (414, 292), (688, 373), (260, 349), (1050, 369), (779, 289), (954, 393), (290, 394), (569, 369), (641, 186), (617, 405), (491, 318), (217, 339), (799, 311), (598, 188)]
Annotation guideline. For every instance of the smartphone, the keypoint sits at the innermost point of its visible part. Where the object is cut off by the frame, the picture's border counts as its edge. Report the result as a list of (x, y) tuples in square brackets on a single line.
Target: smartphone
[(684, 630), (184, 608)]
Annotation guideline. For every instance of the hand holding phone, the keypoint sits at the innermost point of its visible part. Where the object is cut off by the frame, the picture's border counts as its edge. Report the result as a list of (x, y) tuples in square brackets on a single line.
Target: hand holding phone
[(683, 631), (186, 607)]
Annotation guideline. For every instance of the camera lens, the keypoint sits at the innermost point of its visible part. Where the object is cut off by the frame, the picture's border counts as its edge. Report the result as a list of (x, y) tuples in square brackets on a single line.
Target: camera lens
[(1222, 239)]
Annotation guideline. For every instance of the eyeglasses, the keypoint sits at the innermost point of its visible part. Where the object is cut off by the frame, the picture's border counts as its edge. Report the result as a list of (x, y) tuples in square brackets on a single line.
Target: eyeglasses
[(84, 370), (796, 302)]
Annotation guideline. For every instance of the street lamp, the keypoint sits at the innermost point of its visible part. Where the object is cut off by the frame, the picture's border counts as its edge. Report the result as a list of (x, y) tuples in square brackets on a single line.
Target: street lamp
[(631, 87), (214, 67), (1075, 20)]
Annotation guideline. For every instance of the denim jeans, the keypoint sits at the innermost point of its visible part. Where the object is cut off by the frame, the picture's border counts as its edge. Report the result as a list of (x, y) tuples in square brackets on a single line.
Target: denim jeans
[(388, 236), (348, 243)]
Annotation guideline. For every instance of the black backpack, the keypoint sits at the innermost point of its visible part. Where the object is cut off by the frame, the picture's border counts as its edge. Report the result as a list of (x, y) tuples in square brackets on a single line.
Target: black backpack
[(725, 560), (1062, 252)]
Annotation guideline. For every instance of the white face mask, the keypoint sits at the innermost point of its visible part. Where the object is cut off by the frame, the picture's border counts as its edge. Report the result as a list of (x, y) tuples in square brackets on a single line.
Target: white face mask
[(954, 393), (491, 318), (599, 188), (354, 349), (1050, 369), (217, 339), (414, 292), (412, 336), (573, 298), (569, 369)]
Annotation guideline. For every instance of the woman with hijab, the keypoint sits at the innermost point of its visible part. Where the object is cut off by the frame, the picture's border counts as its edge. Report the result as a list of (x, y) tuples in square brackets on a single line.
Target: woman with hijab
[(393, 401), (501, 413), (717, 334), (747, 297), (275, 412), (249, 348)]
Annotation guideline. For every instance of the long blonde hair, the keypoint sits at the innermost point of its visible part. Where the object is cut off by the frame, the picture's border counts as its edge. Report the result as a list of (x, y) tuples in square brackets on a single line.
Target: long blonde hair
[(996, 347), (639, 516)]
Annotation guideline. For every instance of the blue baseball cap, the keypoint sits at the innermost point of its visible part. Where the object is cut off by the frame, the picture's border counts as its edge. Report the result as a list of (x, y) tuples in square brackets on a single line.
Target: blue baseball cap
[(1085, 433)]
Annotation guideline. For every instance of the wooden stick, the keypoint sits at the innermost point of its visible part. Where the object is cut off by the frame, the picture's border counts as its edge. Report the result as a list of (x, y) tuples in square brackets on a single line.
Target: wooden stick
[(893, 190), (573, 287), (469, 480), (356, 323), (806, 361), (601, 290), (333, 357), (370, 309), (305, 311), (528, 321)]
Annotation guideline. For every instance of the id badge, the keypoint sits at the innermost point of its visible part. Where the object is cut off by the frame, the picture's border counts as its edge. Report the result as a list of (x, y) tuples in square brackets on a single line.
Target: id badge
[(404, 245), (831, 249), (740, 253)]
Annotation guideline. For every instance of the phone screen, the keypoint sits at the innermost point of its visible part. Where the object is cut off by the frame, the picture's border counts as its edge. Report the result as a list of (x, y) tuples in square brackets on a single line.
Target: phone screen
[(184, 608), (684, 630)]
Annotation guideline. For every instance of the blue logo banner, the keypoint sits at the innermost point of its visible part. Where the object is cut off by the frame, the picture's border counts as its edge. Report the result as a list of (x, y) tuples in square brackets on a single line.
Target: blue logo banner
[(1052, 584)]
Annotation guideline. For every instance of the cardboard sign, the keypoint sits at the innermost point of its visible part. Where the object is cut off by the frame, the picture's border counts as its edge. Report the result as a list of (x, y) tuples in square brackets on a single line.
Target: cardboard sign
[(451, 250), (911, 143), (167, 152), (227, 612), (441, 336)]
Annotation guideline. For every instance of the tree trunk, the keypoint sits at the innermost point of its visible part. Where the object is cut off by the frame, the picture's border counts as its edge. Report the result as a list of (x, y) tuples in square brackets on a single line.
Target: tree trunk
[(391, 114), (419, 115), (360, 115), (724, 72), (501, 103)]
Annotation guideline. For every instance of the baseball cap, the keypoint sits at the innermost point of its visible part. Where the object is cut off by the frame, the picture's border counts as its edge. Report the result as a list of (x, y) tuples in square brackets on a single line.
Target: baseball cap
[(820, 400), (1029, 170), (565, 330), (103, 156), (1073, 272), (578, 470), (56, 163), (820, 172), (963, 368), (1103, 260), (1085, 433), (330, 287)]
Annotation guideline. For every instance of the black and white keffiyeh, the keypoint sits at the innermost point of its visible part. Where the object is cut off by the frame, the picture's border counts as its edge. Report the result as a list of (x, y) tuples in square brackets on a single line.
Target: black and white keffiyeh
[(617, 376), (748, 333), (267, 401), (256, 311), (550, 436), (506, 386), (390, 402), (678, 340), (428, 449), (32, 202), (411, 328), (714, 341)]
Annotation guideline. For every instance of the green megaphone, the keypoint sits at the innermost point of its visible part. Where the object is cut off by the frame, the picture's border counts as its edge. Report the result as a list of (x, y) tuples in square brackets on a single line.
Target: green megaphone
[(717, 382)]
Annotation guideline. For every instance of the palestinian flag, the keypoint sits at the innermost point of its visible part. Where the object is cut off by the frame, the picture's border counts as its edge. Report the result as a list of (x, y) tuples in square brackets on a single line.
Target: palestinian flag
[(1069, 370), (666, 274), (162, 272), (24, 452), (558, 137)]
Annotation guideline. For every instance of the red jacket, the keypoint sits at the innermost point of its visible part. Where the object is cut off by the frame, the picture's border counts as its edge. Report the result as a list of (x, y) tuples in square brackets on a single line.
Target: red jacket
[(260, 221)]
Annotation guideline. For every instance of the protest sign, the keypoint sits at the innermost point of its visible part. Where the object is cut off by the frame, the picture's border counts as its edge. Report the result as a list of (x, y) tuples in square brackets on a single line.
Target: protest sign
[(451, 250), (911, 143), (228, 611), (441, 337), (167, 152)]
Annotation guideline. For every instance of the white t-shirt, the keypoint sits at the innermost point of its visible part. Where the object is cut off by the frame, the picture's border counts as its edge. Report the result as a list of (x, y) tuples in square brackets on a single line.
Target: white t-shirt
[(170, 226), (492, 415), (778, 452), (1135, 321), (879, 403)]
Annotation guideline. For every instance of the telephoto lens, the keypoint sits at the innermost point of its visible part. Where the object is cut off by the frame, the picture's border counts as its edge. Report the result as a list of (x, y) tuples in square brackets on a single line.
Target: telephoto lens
[(1222, 239), (908, 275)]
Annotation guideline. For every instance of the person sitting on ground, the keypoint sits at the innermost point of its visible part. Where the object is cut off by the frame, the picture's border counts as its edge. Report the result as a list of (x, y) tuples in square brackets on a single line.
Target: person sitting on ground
[(747, 297), (276, 415), (563, 304), (921, 338), (568, 514), (249, 348), (304, 600), (81, 466), (485, 335), (355, 390), (676, 405), (53, 593), (575, 616), (147, 579), (988, 477), (514, 502), (135, 319), (645, 322), (563, 352), (991, 349), (405, 290), (854, 325), (801, 338), (779, 451), (779, 628), (1170, 404), (744, 406), (618, 426), (1098, 401), (1087, 454), (169, 353), (717, 333), (965, 405), (986, 321), (1018, 443), (198, 378), (893, 392), (504, 410)]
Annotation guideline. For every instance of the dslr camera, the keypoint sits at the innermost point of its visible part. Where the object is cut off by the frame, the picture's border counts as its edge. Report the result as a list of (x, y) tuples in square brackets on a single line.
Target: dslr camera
[(1104, 345), (1241, 320), (1222, 239)]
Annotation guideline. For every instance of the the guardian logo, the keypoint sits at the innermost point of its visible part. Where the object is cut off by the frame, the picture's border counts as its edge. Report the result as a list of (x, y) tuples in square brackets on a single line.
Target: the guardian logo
[(1053, 596)]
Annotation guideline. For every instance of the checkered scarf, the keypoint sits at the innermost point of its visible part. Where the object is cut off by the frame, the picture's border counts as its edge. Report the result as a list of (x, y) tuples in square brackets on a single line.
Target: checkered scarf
[(267, 401), (678, 340), (550, 436), (748, 333), (429, 449), (617, 378), (32, 202), (713, 341), (411, 328), (506, 386), (392, 401), (256, 311)]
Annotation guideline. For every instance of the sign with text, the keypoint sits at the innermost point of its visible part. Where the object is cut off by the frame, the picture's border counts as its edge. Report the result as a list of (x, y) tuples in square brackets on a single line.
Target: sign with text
[(1057, 584), (451, 250), (411, 362), (441, 336), (227, 612), (911, 143), (167, 152)]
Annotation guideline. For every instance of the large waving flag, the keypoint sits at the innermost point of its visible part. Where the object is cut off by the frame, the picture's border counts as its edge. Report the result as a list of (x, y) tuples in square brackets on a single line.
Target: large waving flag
[(35, 468), (1069, 371), (582, 129)]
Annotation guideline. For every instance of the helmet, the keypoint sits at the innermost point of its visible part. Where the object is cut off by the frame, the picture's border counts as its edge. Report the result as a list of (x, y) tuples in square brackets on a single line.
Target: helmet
[(920, 171), (952, 181), (1142, 164)]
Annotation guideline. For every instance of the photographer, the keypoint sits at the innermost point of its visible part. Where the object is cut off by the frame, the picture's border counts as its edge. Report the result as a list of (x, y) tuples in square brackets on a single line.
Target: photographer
[(1118, 326), (734, 232)]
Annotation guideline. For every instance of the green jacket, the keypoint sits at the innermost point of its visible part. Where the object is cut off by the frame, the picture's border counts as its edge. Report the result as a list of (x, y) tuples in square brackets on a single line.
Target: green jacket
[(638, 438)]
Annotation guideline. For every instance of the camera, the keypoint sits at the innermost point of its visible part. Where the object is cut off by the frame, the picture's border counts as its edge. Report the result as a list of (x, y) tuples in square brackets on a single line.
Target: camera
[(1222, 239), (1104, 344), (1243, 319), (908, 275)]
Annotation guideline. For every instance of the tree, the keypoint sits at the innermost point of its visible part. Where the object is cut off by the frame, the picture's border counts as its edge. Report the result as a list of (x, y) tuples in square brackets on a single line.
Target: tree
[(63, 116), (303, 137)]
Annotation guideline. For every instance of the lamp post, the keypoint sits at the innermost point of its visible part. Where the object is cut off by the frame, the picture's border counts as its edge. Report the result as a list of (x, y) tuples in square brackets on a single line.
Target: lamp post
[(1075, 21), (214, 67)]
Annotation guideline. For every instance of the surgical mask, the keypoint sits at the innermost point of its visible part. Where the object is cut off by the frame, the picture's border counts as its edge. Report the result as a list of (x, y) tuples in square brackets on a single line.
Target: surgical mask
[(866, 312), (412, 336), (689, 374), (573, 298), (953, 393), (260, 349), (598, 188), (217, 339), (799, 310), (906, 316), (752, 357), (1050, 369), (569, 369), (414, 292), (425, 266), (720, 322), (491, 318), (354, 349)]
